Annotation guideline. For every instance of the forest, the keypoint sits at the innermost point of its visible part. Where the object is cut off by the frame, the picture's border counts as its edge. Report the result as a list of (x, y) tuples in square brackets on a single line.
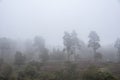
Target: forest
[(34, 60)]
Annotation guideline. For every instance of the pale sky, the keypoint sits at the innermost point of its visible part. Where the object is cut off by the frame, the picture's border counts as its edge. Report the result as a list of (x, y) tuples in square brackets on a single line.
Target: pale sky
[(24, 19)]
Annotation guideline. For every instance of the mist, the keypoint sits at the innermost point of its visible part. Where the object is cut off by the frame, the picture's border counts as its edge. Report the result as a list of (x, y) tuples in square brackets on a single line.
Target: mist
[(59, 39), (25, 19)]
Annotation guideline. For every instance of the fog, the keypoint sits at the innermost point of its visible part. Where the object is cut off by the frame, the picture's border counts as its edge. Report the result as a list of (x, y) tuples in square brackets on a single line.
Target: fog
[(25, 19), (59, 39)]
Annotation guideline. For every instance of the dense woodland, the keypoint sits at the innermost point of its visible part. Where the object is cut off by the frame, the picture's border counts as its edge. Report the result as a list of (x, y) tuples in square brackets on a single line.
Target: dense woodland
[(34, 60)]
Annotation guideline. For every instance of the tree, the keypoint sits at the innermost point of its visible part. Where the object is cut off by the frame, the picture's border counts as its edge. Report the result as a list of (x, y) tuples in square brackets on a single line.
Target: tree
[(19, 58), (94, 41), (75, 43), (71, 43), (75, 40), (67, 43), (117, 45)]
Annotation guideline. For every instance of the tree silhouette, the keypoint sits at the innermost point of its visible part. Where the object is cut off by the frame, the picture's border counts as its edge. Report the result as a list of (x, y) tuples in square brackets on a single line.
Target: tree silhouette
[(94, 41), (67, 43), (75, 43), (71, 43)]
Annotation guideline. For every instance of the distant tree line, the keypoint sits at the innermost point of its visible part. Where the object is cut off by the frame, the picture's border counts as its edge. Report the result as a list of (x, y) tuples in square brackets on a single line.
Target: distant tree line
[(36, 49)]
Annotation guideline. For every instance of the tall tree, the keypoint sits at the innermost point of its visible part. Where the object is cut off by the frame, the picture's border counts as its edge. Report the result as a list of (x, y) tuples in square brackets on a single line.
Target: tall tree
[(117, 45), (71, 43), (67, 43), (94, 41), (75, 43)]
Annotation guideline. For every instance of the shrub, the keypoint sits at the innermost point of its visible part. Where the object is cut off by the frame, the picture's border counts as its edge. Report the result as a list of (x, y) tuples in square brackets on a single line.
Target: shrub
[(97, 74)]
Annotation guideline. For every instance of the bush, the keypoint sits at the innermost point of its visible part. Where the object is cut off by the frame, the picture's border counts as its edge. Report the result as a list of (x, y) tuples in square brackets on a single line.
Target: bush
[(29, 72), (97, 74), (6, 72)]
